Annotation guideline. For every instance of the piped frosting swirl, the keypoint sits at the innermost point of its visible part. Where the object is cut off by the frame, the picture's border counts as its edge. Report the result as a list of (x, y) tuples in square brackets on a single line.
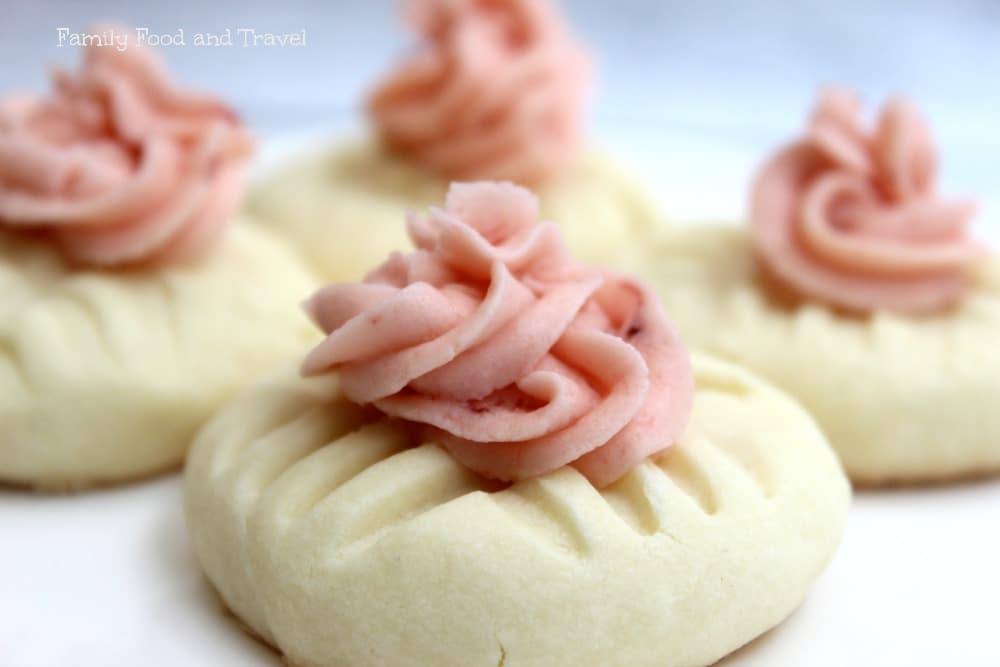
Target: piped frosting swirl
[(518, 359), (851, 217), (118, 165), (496, 92)]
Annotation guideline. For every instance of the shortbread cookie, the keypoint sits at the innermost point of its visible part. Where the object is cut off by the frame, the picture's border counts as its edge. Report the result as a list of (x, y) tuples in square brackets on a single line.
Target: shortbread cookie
[(106, 376), (859, 290), (340, 208), (902, 398), (493, 91), (341, 544), (129, 313), (506, 457)]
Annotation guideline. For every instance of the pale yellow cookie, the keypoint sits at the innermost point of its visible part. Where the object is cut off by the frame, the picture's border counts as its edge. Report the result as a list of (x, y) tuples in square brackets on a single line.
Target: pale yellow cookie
[(902, 399), (342, 209), (106, 375), (343, 546)]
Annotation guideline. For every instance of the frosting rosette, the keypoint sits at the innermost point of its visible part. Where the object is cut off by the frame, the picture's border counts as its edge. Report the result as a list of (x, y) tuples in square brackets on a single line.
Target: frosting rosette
[(497, 91), (851, 217), (119, 165), (518, 359)]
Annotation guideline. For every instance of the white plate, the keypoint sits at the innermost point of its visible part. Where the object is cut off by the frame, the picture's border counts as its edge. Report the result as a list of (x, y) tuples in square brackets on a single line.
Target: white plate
[(107, 578)]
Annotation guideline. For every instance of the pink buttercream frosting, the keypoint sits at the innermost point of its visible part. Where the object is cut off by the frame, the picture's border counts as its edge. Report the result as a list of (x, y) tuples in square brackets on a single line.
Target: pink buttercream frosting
[(497, 91), (118, 165), (851, 217), (518, 359)]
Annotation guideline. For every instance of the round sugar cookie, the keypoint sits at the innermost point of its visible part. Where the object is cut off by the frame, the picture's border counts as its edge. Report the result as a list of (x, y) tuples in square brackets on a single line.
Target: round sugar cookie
[(343, 545), (106, 375), (341, 208), (902, 399)]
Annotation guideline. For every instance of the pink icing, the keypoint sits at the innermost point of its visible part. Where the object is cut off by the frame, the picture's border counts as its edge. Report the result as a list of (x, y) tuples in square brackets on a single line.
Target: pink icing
[(496, 92), (118, 165), (851, 217), (517, 358)]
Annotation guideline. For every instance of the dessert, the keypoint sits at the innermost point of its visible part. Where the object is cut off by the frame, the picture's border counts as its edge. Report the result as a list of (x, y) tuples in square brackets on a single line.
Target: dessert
[(127, 314), (496, 91), (857, 289), (530, 471)]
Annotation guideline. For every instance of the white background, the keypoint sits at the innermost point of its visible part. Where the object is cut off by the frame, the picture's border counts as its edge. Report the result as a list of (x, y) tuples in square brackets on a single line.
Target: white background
[(691, 95), (732, 75)]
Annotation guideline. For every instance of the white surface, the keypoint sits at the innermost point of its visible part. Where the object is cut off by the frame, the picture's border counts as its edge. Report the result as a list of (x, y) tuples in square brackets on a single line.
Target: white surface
[(106, 579), (692, 98)]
